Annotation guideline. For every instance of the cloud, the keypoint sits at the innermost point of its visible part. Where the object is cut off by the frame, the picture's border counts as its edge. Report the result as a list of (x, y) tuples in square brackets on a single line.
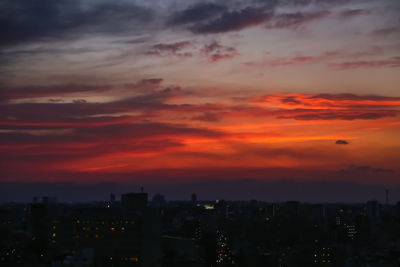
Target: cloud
[(213, 51), (27, 21), (51, 90), (328, 106), (145, 85), (353, 97), (290, 100), (70, 114), (341, 142), (331, 101), (196, 13), (282, 62), (327, 114), (383, 32), (208, 117), (393, 62), (294, 20), (329, 56), (354, 12), (170, 49), (212, 18), (233, 21), (216, 52), (152, 81)]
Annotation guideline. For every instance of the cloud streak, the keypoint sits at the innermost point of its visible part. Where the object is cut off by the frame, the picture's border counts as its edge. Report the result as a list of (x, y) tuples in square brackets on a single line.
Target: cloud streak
[(170, 49)]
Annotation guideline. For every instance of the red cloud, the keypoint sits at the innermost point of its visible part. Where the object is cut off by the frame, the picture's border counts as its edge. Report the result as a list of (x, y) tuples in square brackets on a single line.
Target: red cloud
[(170, 49)]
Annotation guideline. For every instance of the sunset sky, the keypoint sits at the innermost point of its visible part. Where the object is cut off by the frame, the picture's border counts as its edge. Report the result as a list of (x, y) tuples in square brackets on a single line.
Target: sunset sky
[(124, 90)]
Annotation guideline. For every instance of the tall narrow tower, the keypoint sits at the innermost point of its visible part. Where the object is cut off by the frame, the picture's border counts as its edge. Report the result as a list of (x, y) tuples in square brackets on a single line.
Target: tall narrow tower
[(387, 196)]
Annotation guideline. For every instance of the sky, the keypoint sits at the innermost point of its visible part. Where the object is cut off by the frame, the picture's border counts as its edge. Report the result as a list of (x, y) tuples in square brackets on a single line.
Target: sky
[(182, 90)]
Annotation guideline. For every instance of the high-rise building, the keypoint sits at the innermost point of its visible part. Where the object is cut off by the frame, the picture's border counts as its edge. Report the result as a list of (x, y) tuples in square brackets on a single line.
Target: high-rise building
[(134, 201), (387, 196), (373, 210), (158, 200), (194, 199), (112, 198)]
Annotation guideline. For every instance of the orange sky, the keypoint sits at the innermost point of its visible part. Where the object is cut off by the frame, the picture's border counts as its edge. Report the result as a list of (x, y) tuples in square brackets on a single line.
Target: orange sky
[(190, 89)]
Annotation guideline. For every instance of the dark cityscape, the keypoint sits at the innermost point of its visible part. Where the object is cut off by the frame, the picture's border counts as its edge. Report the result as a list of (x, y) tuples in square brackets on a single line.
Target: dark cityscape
[(133, 230)]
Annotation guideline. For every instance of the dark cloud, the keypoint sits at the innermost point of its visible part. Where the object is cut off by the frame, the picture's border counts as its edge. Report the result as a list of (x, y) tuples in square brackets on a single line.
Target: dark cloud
[(349, 101), (293, 20), (207, 116), (52, 90), (170, 49), (212, 18), (233, 21), (84, 113), (277, 62), (145, 85), (393, 62), (329, 107), (386, 31), (328, 114), (341, 142), (353, 97), (10, 93), (195, 13), (26, 20), (42, 50), (137, 40), (354, 12), (331, 55), (290, 100), (216, 52), (152, 81)]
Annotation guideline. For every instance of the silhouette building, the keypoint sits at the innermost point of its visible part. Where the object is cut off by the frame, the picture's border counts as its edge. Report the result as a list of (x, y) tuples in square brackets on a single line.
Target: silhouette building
[(134, 201)]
